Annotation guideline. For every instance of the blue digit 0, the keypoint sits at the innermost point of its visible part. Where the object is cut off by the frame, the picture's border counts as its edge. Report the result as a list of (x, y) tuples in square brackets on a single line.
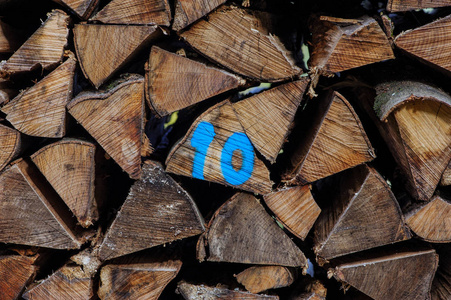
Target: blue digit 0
[(237, 141), (202, 137)]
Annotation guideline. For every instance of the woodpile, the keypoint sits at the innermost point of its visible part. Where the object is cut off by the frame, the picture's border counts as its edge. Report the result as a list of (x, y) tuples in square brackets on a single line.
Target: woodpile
[(194, 149)]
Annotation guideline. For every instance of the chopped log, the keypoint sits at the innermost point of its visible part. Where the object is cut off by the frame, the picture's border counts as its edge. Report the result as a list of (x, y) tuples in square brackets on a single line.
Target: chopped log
[(430, 43), (135, 12), (30, 213), (16, 272), (403, 275), (10, 38), (10, 145), (308, 289), (68, 165), (157, 204), (232, 231), (232, 35), (114, 117), (195, 292), (216, 149), (50, 39), (406, 5), (334, 142), (267, 117), (261, 278), (82, 8), (171, 77), (295, 208), (363, 214), (189, 11), (446, 176), (69, 282), (120, 42), (431, 221), (415, 123), (41, 109), (441, 285), (137, 281)]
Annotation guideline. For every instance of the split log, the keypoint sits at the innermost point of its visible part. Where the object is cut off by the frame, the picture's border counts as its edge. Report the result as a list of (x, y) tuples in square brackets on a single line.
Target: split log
[(268, 116), (261, 278), (334, 142), (114, 118), (16, 272), (446, 177), (157, 204), (295, 208), (415, 123), (232, 231), (41, 109), (189, 11), (82, 8), (50, 39), (406, 5), (68, 165), (114, 46), (441, 286), (309, 289), (430, 43), (232, 35), (10, 145), (216, 149), (10, 38), (174, 82)]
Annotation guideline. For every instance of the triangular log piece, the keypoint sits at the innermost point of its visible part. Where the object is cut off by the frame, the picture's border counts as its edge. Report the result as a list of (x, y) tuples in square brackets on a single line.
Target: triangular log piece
[(441, 286), (295, 208), (157, 204), (431, 221), (429, 43), (15, 273), (50, 39), (232, 231), (82, 8), (69, 282), (115, 118), (343, 44), (68, 165), (10, 38), (195, 292), (403, 275), (446, 177), (216, 149), (336, 141), (237, 39), (188, 11), (417, 129), (119, 42), (174, 82), (10, 145), (266, 117), (363, 214), (135, 12), (41, 110), (30, 214), (136, 281), (406, 5), (261, 278)]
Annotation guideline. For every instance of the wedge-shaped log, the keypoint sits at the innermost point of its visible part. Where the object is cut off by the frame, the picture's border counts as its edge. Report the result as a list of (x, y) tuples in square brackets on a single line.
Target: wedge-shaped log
[(10, 145), (261, 278), (41, 109), (30, 212), (363, 214), (238, 40), (232, 231), (120, 42), (446, 177), (15, 273), (266, 117), (174, 82), (189, 11), (216, 149), (115, 118), (343, 44), (68, 165), (295, 208), (403, 275), (69, 282), (406, 5), (157, 204), (441, 286), (416, 125), (334, 142), (50, 39), (430, 43), (137, 281), (82, 8)]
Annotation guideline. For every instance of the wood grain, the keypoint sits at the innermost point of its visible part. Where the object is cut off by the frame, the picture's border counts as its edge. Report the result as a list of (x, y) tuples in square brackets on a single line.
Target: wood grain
[(194, 292), (189, 11), (261, 278), (11, 38), (82, 8), (446, 176), (10, 145), (441, 286), (15, 273), (406, 5)]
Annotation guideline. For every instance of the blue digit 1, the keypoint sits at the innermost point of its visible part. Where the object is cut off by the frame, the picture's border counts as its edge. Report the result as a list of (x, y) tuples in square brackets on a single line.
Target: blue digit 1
[(202, 137), (237, 141)]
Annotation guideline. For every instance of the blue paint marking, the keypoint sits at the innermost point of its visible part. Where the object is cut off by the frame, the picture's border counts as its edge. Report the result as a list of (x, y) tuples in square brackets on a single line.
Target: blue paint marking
[(237, 141), (202, 137)]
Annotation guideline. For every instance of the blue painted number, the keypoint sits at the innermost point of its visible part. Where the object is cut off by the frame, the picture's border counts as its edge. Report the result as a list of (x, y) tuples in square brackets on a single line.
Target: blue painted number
[(201, 140)]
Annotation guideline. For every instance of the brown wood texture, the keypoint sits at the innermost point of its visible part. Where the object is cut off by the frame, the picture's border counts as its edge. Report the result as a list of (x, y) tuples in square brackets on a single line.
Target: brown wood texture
[(233, 34), (15, 273), (295, 208), (41, 109), (446, 176), (136, 12), (115, 118), (11, 38), (441, 285), (308, 288), (10, 145), (68, 165), (171, 77), (189, 11), (406, 5), (82, 8), (261, 278), (268, 116)]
